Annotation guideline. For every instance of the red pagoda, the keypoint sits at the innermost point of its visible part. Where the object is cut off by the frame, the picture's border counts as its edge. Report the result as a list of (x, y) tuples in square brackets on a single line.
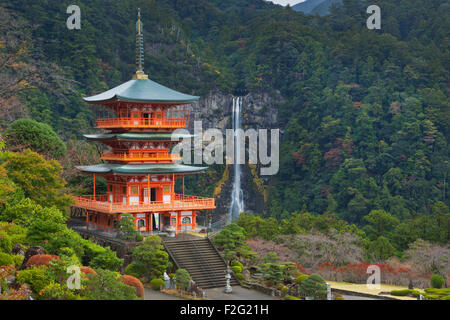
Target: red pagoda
[(141, 171)]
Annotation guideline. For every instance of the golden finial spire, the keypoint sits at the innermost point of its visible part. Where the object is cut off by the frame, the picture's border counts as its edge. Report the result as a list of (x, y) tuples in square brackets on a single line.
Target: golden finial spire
[(139, 49)]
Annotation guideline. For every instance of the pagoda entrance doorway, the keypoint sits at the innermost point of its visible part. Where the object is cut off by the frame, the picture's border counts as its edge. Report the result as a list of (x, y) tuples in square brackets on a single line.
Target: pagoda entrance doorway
[(152, 195), (156, 223)]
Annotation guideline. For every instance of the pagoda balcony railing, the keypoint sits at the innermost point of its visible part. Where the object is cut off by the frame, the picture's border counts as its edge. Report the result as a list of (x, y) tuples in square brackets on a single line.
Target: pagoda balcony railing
[(100, 203), (141, 123), (140, 156)]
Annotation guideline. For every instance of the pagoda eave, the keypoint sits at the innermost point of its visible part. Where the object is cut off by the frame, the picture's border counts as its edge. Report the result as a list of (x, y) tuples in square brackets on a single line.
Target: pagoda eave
[(141, 169), (142, 91)]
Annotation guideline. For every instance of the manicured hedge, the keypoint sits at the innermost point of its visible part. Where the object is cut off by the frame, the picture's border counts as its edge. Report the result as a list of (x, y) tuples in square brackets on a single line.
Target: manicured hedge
[(405, 292), (291, 298), (157, 284)]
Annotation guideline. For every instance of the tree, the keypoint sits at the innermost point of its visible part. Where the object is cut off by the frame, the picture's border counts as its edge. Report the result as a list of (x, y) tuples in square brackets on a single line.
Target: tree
[(149, 260), (429, 258), (182, 278), (9, 191), (106, 260), (231, 237), (39, 179), (381, 249), (314, 286), (126, 227), (39, 137), (382, 222), (106, 285)]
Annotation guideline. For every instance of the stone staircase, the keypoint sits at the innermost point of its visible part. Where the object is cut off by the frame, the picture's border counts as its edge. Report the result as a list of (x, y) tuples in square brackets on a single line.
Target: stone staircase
[(201, 259)]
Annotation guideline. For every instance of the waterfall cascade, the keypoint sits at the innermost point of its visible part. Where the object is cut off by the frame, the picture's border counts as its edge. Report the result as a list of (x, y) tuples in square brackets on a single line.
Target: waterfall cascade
[(237, 196)]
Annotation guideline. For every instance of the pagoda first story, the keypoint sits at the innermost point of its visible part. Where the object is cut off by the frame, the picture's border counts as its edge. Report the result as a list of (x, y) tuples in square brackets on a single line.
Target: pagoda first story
[(149, 198)]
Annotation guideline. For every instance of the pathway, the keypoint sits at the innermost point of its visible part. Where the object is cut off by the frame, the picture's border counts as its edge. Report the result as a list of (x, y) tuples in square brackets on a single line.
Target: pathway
[(239, 293)]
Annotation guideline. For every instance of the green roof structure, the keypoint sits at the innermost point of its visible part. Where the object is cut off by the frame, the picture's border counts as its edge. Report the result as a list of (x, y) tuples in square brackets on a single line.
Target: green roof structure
[(142, 90), (141, 168)]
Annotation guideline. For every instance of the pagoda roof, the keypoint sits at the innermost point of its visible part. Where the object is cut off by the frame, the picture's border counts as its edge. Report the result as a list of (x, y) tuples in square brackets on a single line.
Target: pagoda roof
[(140, 168), (141, 90), (138, 136)]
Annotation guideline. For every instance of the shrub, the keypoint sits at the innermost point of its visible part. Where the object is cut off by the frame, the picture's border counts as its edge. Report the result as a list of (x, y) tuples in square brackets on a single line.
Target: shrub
[(38, 136), (239, 276), (431, 296), (134, 282), (314, 286), (35, 277), (237, 263), (106, 260), (126, 227), (438, 291), (107, 285), (91, 250), (291, 298), (400, 293), (182, 278), (269, 283), (271, 257), (5, 242), (437, 281), (237, 269), (18, 260), (6, 259), (340, 298), (300, 278), (87, 270), (284, 291), (139, 237), (157, 284), (405, 292), (136, 270), (149, 259), (41, 259), (56, 291)]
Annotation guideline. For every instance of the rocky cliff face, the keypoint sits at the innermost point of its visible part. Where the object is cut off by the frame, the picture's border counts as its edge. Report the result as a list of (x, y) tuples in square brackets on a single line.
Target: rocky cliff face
[(258, 112)]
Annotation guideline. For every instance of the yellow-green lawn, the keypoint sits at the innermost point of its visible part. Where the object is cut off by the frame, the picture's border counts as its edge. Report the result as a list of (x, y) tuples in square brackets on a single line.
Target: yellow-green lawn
[(362, 288)]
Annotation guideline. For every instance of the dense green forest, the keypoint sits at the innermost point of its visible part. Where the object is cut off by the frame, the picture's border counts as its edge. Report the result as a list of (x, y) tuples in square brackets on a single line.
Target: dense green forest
[(365, 113)]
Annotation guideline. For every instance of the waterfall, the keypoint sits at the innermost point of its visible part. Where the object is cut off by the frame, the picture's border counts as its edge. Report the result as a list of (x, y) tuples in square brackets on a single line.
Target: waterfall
[(237, 195)]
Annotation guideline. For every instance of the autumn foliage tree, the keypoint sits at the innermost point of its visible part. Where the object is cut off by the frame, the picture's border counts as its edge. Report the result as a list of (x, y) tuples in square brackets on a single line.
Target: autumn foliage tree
[(39, 179)]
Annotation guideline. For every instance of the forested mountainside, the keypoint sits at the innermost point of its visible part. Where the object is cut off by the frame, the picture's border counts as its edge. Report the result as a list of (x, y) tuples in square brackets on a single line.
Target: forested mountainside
[(364, 114), (320, 7)]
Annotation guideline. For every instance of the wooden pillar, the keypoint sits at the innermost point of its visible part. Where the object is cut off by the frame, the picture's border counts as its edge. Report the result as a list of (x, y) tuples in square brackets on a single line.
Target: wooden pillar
[(94, 186), (194, 220), (87, 220), (148, 188), (173, 187), (128, 193), (178, 221), (151, 222)]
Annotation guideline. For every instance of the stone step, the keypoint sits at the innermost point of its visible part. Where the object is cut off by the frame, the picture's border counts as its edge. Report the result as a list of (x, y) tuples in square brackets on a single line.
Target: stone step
[(201, 259)]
